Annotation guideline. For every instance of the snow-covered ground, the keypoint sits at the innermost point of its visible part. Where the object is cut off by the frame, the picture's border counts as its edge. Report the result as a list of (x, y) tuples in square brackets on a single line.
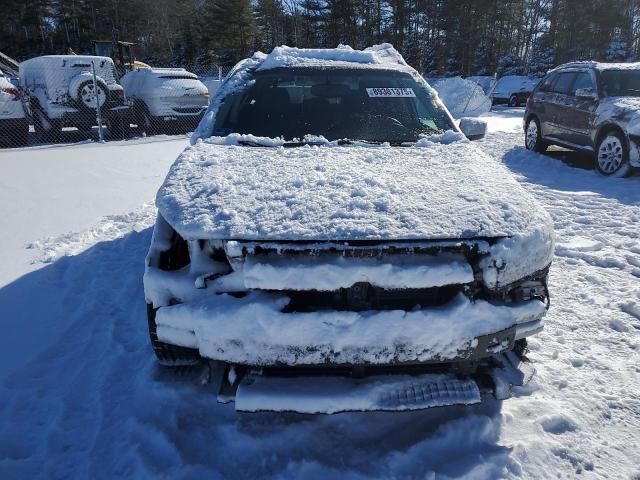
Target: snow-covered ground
[(81, 396)]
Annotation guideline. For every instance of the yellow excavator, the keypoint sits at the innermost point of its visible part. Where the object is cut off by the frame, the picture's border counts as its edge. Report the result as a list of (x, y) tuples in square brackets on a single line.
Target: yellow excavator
[(122, 54)]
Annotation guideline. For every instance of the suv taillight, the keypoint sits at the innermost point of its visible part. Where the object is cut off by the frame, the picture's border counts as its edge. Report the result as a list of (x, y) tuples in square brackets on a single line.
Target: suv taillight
[(13, 91)]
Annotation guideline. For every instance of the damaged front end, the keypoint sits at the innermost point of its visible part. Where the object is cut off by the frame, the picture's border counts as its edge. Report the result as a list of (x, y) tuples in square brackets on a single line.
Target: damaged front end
[(350, 325)]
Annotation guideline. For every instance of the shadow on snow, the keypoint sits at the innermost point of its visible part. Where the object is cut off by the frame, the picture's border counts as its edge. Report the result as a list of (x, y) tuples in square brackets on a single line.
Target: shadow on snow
[(85, 399)]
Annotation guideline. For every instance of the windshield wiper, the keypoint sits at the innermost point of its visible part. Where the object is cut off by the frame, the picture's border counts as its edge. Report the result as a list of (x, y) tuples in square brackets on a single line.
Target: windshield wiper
[(251, 143), (313, 143)]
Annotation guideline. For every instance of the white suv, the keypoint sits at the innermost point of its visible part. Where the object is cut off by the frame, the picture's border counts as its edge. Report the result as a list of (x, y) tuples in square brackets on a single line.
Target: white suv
[(165, 96), (61, 91), (14, 127)]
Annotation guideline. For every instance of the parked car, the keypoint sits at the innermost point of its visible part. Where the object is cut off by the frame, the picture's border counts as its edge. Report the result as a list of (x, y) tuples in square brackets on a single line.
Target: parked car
[(14, 128), (513, 90), (164, 97), (62, 94), (592, 107), (336, 243)]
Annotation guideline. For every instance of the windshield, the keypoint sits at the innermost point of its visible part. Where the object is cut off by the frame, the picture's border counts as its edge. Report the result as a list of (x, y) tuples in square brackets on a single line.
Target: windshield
[(621, 83), (370, 105)]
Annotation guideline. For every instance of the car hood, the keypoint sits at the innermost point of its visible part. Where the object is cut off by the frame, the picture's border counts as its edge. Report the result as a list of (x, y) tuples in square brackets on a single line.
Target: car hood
[(344, 193), (619, 109)]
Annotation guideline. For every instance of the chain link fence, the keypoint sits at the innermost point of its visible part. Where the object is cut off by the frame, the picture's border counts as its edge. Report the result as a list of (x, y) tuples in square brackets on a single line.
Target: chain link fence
[(74, 98)]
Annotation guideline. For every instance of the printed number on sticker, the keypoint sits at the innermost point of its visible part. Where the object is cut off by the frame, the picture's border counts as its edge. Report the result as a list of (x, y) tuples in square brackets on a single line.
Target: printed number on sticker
[(390, 92)]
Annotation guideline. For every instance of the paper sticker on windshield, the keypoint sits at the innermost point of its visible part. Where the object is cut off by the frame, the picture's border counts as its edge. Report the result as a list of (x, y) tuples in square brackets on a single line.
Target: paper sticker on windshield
[(390, 92)]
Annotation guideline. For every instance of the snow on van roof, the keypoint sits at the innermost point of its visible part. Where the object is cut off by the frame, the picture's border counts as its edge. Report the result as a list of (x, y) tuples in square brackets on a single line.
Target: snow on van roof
[(292, 57)]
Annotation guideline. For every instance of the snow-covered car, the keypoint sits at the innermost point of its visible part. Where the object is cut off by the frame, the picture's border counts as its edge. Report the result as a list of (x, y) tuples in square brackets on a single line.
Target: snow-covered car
[(62, 94), (589, 106), (165, 96), (14, 127), (331, 241), (513, 90)]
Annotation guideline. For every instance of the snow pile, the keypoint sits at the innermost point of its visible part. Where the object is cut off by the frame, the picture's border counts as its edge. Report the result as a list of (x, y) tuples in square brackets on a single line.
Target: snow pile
[(324, 193), (253, 330), (280, 272), (462, 97)]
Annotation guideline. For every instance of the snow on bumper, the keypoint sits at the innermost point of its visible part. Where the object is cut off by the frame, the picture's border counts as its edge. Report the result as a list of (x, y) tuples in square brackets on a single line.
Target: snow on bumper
[(253, 331)]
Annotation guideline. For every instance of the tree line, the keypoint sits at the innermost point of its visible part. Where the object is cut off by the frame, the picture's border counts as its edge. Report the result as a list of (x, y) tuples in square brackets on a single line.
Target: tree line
[(437, 37)]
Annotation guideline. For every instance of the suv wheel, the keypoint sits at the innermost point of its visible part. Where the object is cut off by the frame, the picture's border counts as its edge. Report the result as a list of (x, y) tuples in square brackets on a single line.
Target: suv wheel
[(513, 101), (533, 138), (87, 94), (612, 156), (167, 354)]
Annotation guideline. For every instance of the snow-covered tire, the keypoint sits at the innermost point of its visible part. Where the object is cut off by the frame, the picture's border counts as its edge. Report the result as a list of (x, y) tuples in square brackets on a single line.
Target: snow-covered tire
[(83, 92), (169, 355), (612, 155), (533, 136)]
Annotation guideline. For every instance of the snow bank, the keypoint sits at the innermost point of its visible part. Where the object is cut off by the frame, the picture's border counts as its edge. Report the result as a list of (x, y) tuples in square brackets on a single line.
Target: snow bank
[(253, 330), (462, 97)]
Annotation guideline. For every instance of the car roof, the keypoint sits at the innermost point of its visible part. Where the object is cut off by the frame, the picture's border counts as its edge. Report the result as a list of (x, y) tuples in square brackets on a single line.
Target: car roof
[(379, 56), (168, 72), (601, 66)]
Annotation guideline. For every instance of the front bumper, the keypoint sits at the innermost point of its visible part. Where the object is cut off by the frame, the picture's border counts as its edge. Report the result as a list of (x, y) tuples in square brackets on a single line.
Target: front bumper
[(254, 331)]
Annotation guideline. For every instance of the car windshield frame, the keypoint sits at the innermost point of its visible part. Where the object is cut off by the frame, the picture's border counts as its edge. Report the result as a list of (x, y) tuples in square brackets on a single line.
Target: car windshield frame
[(334, 103), (618, 82)]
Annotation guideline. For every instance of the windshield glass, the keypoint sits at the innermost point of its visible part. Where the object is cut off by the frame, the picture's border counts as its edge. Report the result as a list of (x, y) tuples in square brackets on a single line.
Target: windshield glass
[(371, 105), (621, 83)]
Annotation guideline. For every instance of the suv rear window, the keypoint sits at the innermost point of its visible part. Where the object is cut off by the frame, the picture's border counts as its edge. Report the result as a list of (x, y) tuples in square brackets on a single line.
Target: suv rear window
[(564, 82)]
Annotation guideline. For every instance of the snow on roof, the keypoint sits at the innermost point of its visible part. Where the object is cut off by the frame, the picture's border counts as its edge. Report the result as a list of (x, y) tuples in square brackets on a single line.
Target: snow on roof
[(303, 57), (600, 65), (169, 72), (69, 58)]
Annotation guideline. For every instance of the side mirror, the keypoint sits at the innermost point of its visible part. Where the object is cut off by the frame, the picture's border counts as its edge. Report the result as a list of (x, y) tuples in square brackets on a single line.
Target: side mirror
[(473, 128), (586, 94)]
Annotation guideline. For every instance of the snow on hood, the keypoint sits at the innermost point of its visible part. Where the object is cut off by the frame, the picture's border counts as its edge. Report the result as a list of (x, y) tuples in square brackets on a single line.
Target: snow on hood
[(344, 193), (623, 110)]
